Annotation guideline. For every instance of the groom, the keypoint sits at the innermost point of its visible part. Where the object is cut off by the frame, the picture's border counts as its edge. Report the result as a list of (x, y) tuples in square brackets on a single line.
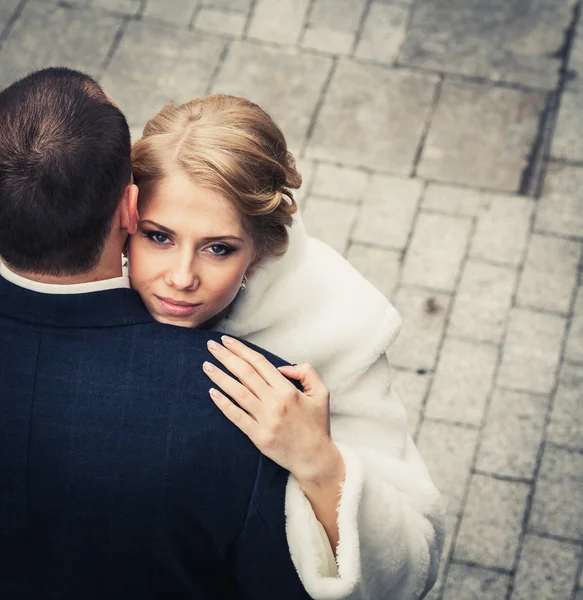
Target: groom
[(119, 478)]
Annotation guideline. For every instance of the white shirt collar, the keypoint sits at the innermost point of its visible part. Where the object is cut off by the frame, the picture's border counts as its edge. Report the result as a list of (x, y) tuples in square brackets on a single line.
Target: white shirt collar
[(57, 288)]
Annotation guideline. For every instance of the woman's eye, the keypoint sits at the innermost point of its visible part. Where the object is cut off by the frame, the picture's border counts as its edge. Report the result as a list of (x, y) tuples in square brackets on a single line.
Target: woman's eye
[(157, 237), (220, 249)]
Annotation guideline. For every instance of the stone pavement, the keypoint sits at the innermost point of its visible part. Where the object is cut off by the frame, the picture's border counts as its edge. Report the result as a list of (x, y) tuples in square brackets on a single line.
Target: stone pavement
[(441, 144)]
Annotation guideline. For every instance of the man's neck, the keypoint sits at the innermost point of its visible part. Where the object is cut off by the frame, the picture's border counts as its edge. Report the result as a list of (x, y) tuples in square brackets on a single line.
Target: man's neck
[(98, 274)]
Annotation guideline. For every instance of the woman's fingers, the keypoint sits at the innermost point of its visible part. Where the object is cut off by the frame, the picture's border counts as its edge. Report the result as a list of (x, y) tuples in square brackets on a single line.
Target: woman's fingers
[(236, 415), (257, 361), (238, 392), (307, 376), (240, 368)]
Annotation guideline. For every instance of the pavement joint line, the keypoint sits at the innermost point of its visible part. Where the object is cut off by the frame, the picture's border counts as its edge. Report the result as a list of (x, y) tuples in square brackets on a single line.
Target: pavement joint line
[(427, 289), (318, 107), (123, 26), (194, 17), (443, 421), (542, 311), (557, 160), (360, 27), (507, 388), (556, 538), (11, 21), (250, 15), (412, 7), (427, 125), (502, 477), (306, 23), (566, 448), (453, 215), (471, 563), (476, 341), (559, 236), (543, 444), (220, 62)]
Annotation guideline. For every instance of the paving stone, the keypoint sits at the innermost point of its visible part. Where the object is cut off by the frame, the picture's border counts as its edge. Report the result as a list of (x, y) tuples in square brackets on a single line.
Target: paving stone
[(474, 583), (181, 12), (7, 9), (281, 22), (462, 382), (498, 125), (328, 40), (341, 15), (566, 426), (547, 569), (217, 20), (513, 434), (448, 451), (502, 230), (454, 200), (482, 302), (550, 273), (388, 210), (531, 352), (411, 388), (383, 33), (330, 221), (373, 117), (575, 65), (423, 314), (154, 65), (561, 205), (567, 143), (340, 182), (242, 5), (120, 7), (516, 42), (46, 35), (557, 507), (574, 349), (436, 251), (261, 74), (381, 267), (492, 522)]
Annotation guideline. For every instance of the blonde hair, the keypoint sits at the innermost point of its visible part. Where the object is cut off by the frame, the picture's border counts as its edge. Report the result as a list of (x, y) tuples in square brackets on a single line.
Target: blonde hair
[(232, 146)]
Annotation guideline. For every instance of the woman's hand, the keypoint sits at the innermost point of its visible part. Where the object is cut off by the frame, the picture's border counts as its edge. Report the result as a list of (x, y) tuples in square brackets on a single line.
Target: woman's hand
[(288, 426)]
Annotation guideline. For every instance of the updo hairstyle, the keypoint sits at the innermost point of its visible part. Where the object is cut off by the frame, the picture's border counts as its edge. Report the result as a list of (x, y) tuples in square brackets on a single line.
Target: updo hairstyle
[(232, 146)]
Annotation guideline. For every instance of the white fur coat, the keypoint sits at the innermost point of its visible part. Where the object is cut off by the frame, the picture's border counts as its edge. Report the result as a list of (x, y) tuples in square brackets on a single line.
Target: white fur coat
[(313, 306)]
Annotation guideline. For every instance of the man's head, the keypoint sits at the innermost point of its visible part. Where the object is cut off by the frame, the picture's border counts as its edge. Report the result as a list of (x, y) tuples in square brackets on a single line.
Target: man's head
[(64, 168)]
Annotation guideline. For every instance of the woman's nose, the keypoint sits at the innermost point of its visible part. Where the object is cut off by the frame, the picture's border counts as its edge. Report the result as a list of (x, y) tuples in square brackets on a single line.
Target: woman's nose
[(182, 276)]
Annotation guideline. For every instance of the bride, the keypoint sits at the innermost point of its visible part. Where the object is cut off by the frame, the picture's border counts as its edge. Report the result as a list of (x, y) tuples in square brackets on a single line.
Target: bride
[(220, 244)]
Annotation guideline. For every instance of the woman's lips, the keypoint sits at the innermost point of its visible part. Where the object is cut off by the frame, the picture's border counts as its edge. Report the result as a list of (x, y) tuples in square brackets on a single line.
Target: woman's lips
[(177, 308)]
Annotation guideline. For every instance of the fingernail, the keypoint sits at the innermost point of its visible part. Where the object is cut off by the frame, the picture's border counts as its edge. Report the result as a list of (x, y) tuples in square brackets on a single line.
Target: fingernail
[(212, 345), (227, 340), (208, 367), (215, 394)]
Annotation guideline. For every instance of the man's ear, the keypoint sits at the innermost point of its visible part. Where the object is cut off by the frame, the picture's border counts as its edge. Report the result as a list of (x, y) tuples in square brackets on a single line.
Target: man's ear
[(129, 209)]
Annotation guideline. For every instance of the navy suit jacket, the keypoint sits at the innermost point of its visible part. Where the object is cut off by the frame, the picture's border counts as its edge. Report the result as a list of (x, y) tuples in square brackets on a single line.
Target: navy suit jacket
[(119, 477)]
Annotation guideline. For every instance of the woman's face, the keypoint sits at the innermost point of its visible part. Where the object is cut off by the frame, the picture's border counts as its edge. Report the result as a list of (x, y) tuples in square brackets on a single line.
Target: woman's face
[(190, 253)]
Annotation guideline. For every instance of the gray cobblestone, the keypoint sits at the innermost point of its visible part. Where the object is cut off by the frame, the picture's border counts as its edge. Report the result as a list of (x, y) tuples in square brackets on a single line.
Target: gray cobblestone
[(547, 570), (532, 349), (181, 13), (502, 230), (566, 143), (261, 73), (328, 40), (454, 200), (550, 274), (343, 15), (474, 583), (566, 426), (575, 64), (381, 267), (482, 302), (436, 251), (121, 7), (558, 500), (384, 33), (7, 9), (492, 522), (513, 433), (574, 349), (330, 221), (474, 120), (151, 68), (462, 382), (448, 452), (46, 35), (387, 211), (269, 19), (423, 314), (217, 20), (561, 205), (411, 388), (242, 5), (340, 182), (372, 117)]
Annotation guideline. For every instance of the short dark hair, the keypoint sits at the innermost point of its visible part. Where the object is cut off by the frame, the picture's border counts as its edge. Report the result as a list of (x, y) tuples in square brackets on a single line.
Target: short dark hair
[(65, 161)]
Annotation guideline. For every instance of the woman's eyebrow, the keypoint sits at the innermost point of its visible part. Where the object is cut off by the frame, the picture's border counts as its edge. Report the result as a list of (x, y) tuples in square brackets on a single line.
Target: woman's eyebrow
[(221, 237), (158, 226)]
